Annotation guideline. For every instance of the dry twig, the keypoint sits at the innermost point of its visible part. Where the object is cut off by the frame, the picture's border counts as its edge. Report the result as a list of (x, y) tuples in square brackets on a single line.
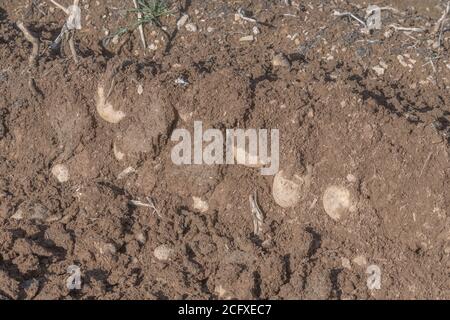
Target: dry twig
[(349, 14), (412, 29), (58, 5)]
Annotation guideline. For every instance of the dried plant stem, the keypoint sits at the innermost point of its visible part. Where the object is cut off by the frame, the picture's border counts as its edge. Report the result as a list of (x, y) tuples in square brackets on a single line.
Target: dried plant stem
[(399, 28), (56, 4), (349, 14), (70, 39), (140, 27), (439, 24), (34, 41)]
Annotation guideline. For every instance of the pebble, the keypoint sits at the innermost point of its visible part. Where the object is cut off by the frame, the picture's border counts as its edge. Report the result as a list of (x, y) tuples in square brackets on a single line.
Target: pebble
[(107, 248), (402, 60), (163, 252), (280, 60), (182, 21), (181, 81), (378, 70), (61, 173), (247, 39), (141, 238), (140, 89), (191, 27), (200, 205)]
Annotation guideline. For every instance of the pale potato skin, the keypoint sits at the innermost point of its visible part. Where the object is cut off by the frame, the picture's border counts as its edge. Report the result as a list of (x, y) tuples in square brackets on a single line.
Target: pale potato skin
[(287, 193), (337, 201)]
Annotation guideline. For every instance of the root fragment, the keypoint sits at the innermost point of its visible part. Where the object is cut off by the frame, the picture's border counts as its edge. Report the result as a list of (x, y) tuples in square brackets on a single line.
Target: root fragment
[(34, 41), (258, 216)]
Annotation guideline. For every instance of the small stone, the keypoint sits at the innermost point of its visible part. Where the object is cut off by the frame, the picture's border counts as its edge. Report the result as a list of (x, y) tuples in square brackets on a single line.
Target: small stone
[(247, 39), (115, 39), (182, 21), (200, 205), (388, 33), (18, 215), (280, 60), (191, 27), (163, 252), (61, 173), (401, 60), (140, 89), (256, 30), (141, 238), (181, 81), (378, 70), (107, 248)]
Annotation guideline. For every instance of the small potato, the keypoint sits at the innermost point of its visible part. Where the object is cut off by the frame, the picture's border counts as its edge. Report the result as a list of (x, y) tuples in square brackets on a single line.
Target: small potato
[(288, 190), (106, 110), (337, 201)]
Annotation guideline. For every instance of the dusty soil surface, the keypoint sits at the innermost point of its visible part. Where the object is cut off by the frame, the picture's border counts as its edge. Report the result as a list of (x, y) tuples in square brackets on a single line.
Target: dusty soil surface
[(368, 112)]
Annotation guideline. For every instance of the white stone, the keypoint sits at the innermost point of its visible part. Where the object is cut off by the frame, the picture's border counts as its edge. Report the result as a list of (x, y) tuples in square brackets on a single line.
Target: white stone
[(61, 173), (191, 27), (163, 252)]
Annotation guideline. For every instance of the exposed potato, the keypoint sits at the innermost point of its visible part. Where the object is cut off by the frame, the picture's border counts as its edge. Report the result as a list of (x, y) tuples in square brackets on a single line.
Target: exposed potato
[(288, 189), (106, 110), (337, 201)]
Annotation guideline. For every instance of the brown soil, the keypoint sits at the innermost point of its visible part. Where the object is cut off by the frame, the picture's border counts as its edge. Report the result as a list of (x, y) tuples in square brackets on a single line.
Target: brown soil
[(385, 137)]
